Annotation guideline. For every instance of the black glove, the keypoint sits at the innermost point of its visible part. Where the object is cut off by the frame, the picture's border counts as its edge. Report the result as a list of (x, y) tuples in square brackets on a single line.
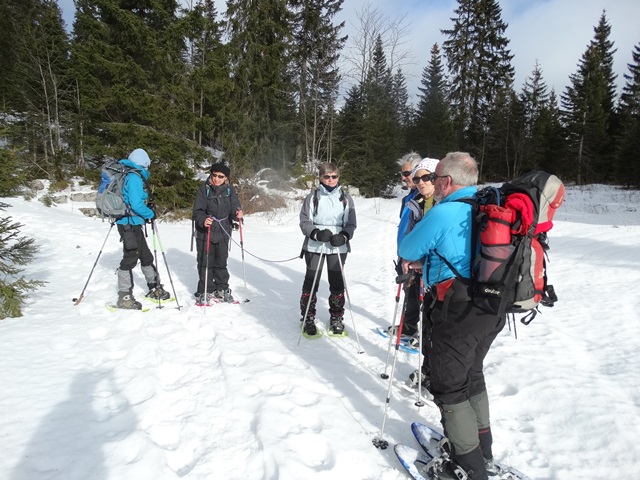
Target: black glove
[(324, 235), (150, 220), (235, 225), (398, 265), (338, 240)]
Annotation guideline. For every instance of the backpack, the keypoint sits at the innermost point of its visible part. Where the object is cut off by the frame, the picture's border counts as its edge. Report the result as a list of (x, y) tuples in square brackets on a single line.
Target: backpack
[(510, 225), (110, 201)]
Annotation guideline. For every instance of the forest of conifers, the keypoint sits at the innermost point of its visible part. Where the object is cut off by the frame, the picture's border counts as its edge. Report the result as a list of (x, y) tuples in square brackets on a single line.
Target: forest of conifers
[(267, 84)]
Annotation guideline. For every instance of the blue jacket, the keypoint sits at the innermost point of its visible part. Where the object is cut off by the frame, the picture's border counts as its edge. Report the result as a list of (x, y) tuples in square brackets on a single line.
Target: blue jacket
[(405, 215), (135, 196), (447, 229)]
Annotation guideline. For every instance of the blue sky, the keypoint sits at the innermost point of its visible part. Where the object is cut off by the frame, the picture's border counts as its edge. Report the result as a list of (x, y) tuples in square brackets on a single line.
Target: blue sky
[(553, 32)]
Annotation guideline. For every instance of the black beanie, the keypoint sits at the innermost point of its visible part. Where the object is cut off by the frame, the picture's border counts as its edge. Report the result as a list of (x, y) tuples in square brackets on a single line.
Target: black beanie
[(220, 167)]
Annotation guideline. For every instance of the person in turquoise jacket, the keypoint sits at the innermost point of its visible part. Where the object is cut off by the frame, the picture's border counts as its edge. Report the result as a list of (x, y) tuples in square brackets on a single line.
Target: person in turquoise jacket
[(134, 244), (460, 332)]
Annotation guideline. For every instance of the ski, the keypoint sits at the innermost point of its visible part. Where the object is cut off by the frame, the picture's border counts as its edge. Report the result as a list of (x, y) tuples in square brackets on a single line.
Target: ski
[(404, 341), (430, 441)]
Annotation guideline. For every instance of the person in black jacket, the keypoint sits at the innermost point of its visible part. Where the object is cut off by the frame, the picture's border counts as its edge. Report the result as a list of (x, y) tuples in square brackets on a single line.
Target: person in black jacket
[(215, 211)]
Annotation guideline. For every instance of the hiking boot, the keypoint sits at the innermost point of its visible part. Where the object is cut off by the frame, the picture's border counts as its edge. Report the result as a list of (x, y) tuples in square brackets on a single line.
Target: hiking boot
[(128, 302), (492, 468), (336, 326), (413, 380), (158, 293), (202, 299), (310, 326), (224, 296)]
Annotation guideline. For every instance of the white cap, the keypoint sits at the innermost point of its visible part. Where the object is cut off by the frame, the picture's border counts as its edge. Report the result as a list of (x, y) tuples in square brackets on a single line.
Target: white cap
[(428, 164)]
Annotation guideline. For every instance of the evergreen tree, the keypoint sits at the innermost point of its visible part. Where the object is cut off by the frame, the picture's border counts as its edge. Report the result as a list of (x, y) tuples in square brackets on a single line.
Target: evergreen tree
[(15, 251), (628, 165), (432, 134), (588, 108), (260, 131), (350, 139), (317, 48), (128, 61), (374, 169), (480, 68)]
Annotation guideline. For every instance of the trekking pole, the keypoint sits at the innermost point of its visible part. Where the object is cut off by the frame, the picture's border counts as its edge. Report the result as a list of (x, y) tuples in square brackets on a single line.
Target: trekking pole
[(419, 403), (244, 274), (155, 257), (79, 299), (206, 271), (313, 288), (346, 290), (166, 264), (379, 442), (399, 280)]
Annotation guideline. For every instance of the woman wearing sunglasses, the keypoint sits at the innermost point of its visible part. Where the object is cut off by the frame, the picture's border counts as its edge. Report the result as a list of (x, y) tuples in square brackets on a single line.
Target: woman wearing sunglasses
[(328, 221), (214, 210)]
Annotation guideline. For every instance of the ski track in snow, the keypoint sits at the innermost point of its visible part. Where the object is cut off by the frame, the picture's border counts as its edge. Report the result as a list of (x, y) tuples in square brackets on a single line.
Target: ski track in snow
[(231, 391)]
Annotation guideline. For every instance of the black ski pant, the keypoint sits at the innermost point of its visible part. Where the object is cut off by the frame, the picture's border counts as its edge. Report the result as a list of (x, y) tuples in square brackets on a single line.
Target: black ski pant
[(461, 335), (336, 282), (412, 308), (213, 265), (134, 247)]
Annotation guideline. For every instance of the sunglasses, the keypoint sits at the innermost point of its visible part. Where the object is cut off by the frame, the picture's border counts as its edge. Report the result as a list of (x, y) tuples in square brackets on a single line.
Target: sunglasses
[(406, 173), (427, 177), (219, 175), (327, 177)]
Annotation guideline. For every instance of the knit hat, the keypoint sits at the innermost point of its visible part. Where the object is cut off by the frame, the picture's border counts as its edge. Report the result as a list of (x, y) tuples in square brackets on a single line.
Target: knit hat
[(140, 157), (220, 167), (428, 164)]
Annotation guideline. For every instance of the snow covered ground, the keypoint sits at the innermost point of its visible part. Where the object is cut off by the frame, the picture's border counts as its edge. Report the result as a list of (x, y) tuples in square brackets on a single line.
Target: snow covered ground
[(230, 393)]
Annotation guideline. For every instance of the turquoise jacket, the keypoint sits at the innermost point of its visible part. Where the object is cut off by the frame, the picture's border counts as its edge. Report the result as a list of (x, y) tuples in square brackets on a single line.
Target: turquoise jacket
[(446, 228), (135, 196)]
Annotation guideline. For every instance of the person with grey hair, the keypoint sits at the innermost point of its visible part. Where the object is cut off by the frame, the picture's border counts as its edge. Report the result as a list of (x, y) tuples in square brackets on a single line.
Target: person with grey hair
[(328, 222), (460, 333)]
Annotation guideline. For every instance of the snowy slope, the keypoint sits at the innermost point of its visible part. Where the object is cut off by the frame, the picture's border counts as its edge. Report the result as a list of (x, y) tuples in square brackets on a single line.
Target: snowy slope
[(233, 392)]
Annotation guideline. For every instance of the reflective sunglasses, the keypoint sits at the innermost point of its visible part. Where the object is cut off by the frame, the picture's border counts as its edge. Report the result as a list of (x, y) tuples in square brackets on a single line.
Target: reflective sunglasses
[(327, 177), (219, 175), (427, 177), (406, 173)]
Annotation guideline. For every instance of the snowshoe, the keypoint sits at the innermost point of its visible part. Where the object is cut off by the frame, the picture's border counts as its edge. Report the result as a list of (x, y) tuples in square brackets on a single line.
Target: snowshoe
[(128, 302), (158, 293)]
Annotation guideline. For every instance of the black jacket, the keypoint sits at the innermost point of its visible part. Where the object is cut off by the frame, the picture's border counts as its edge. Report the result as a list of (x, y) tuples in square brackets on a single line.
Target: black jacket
[(219, 202)]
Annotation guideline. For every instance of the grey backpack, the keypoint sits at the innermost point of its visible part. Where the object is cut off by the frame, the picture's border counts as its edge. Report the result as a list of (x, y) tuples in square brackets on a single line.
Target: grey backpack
[(110, 201)]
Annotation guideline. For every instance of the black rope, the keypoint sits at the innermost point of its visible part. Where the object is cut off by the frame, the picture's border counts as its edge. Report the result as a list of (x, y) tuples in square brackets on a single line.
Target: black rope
[(247, 251)]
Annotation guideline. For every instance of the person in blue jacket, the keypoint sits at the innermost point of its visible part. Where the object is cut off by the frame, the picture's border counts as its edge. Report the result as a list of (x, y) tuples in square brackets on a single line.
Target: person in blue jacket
[(134, 244), (461, 333)]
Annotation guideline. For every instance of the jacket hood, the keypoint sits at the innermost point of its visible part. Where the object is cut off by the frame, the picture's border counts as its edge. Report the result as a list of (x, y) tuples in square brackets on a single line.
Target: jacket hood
[(143, 171)]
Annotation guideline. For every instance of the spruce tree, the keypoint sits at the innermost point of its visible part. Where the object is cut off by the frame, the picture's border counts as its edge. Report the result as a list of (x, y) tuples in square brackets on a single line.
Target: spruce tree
[(317, 49), (480, 67), (588, 109), (628, 165), (432, 133), (260, 130), (15, 252)]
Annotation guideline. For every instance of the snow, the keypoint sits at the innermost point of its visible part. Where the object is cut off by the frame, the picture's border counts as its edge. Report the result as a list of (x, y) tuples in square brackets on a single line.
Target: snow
[(232, 392)]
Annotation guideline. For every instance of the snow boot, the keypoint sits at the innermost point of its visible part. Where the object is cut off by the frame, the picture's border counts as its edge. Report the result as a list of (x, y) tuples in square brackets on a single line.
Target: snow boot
[(203, 299), (424, 379), (336, 326), (336, 305), (224, 296), (473, 463), (305, 298), (156, 292), (310, 326), (126, 301)]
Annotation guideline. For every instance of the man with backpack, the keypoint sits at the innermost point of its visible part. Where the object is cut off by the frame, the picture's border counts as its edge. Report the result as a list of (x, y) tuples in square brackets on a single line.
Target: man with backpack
[(134, 244), (461, 333), (215, 210)]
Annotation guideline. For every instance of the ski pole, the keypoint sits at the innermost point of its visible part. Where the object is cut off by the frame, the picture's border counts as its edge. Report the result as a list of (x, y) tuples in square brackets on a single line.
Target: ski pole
[(399, 280), (244, 274), (379, 442), (313, 288), (419, 403), (206, 271), (166, 264), (79, 299), (346, 290), (155, 257)]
